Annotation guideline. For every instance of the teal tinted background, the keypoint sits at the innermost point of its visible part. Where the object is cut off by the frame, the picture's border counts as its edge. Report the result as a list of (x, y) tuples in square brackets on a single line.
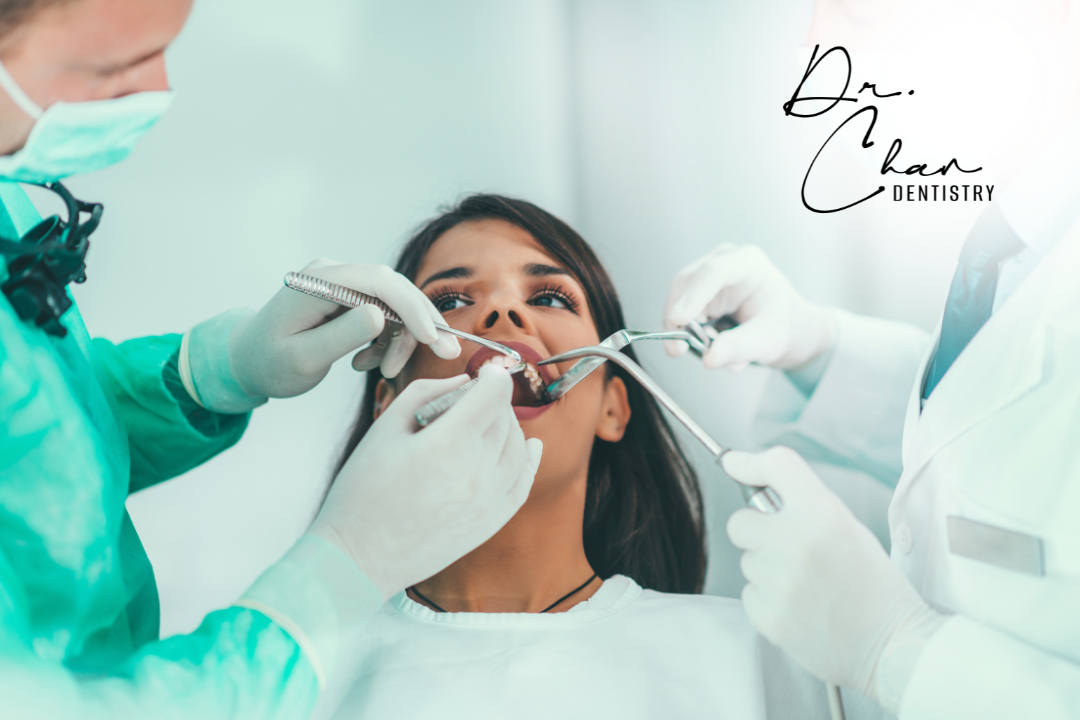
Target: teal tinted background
[(330, 128)]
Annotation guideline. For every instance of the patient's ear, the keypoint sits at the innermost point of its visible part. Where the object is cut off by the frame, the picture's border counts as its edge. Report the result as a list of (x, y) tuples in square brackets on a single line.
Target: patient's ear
[(384, 395), (615, 411)]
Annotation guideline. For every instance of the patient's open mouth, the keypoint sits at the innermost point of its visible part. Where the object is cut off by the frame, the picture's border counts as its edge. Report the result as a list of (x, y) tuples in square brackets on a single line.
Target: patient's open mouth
[(530, 385)]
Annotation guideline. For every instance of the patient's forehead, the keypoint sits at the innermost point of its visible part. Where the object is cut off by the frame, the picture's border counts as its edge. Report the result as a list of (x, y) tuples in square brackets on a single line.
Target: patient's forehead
[(493, 245)]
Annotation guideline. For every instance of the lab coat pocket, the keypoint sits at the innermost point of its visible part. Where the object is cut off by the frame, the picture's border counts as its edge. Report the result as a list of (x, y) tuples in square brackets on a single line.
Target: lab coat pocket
[(1024, 460)]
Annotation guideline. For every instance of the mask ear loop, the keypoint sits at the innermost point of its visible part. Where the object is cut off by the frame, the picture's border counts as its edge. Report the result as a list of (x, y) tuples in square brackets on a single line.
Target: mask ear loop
[(24, 101)]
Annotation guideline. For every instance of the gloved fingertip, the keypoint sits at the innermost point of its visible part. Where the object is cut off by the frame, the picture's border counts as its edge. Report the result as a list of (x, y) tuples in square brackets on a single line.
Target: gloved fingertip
[(491, 370), (392, 363), (714, 358), (678, 315), (364, 361), (447, 346), (738, 367), (492, 373), (376, 319), (675, 348), (535, 447), (430, 335), (734, 463)]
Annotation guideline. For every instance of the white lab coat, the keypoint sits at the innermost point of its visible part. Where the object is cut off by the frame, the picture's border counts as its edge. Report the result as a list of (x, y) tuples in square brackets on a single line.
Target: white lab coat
[(998, 442)]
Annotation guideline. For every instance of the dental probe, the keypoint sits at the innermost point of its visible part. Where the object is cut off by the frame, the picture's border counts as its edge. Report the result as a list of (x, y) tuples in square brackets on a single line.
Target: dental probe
[(764, 498), (326, 290)]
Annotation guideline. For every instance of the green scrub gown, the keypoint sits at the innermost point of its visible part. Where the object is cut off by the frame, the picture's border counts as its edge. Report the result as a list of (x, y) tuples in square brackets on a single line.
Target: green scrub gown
[(83, 423)]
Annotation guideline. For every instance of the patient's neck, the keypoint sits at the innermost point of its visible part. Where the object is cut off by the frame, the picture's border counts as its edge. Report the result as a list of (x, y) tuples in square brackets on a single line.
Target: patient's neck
[(533, 561)]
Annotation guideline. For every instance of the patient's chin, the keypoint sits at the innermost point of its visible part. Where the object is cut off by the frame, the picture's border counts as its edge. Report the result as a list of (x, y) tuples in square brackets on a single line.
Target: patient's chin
[(525, 413)]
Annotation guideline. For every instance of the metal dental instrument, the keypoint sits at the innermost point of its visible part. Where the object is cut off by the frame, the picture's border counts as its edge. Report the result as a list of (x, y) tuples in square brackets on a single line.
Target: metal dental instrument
[(432, 411), (350, 298), (764, 499), (696, 335)]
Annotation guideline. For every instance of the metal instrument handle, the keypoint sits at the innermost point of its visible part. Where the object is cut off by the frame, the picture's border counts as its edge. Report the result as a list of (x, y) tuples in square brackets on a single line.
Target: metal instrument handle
[(347, 297), (761, 498)]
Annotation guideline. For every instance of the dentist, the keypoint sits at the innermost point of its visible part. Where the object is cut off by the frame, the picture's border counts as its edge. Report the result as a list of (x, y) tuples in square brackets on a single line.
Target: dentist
[(975, 615), (85, 422)]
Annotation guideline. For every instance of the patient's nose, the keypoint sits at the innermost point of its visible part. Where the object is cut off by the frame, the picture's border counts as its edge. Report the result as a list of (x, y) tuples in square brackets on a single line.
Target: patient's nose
[(510, 315)]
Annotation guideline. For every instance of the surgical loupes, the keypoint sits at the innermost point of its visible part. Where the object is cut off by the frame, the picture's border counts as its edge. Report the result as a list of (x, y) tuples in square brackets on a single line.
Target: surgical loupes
[(764, 499)]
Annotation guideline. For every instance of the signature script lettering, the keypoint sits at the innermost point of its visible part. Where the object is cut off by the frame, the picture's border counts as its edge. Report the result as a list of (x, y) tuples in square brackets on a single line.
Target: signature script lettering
[(791, 108)]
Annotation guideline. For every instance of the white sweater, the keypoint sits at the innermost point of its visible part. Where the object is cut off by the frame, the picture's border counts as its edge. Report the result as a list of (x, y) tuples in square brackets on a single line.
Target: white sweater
[(625, 653)]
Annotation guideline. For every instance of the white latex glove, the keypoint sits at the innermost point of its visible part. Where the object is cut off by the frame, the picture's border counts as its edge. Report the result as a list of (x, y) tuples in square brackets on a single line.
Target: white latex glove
[(777, 326), (820, 585), (287, 348), (407, 503)]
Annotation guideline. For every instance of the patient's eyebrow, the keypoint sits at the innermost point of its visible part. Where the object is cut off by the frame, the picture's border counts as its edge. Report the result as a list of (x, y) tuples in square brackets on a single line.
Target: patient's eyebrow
[(539, 270), (451, 274)]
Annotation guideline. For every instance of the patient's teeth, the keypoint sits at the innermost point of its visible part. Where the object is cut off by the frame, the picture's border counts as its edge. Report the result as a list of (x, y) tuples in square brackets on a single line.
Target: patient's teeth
[(536, 383), (500, 360)]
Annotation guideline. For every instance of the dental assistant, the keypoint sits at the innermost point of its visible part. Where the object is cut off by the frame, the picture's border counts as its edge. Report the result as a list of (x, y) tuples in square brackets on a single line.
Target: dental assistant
[(84, 422), (976, 615)]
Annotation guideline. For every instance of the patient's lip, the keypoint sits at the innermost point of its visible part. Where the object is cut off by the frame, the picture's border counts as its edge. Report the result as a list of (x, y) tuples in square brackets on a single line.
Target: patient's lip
[(528, 354), (528, 413)]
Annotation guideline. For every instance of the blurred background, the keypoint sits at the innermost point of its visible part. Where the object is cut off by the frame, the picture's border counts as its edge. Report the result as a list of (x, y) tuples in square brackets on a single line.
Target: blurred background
[(331, 128)]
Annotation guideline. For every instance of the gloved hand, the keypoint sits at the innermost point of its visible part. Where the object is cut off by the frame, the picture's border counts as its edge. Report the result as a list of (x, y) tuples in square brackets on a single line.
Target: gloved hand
[(235, 361), (777, 326), (820, 585), (408, 503)]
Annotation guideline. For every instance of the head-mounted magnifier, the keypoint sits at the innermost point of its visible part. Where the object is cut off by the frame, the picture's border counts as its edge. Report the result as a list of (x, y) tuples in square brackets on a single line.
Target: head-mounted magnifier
[(48, 257)]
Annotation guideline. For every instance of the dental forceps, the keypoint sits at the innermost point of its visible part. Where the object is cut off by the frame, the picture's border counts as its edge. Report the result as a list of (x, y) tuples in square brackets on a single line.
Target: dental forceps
[(697, 335), (317, 287), (764, 498)]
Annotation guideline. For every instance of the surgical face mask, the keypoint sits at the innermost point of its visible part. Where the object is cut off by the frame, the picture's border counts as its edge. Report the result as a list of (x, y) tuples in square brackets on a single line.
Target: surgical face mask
[(73, 138)]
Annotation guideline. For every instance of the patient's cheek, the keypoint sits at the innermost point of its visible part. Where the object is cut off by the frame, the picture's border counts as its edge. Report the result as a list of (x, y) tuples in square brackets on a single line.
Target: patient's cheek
[(426, 364)]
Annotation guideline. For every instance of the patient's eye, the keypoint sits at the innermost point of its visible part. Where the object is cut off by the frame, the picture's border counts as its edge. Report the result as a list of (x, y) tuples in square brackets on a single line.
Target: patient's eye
[(553, 296), (446, 300)]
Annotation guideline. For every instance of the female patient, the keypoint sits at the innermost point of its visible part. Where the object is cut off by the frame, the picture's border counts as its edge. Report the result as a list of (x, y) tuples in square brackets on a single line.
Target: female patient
[(581, 606)]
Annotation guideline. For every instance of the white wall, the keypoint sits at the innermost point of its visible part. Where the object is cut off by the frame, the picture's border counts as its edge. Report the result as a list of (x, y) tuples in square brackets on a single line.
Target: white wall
[(332, 127)]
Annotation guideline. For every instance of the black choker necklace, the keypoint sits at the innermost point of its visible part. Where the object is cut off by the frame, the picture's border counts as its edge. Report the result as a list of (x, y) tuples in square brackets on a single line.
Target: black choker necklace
[(552, 606)]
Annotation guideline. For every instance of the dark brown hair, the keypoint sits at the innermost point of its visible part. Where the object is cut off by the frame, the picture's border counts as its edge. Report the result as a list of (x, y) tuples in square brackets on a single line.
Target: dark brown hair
[(14, 13), (643, 504)]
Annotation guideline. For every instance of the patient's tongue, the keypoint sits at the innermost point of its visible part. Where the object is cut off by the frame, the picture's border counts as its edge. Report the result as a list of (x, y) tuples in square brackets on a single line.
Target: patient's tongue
[(523, 394)]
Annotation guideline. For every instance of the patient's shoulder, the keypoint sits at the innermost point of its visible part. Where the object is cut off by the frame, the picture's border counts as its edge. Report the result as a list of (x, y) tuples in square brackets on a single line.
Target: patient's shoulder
[(709, 604), (706, 613)]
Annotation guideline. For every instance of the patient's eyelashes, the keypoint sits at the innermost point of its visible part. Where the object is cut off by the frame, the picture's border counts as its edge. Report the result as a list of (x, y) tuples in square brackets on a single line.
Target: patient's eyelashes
[(554, 296), (445, 299)]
